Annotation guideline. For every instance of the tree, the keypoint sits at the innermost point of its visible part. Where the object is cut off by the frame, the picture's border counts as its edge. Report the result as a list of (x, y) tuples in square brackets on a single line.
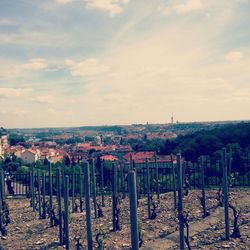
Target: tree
[(14, 139), (67, 161)]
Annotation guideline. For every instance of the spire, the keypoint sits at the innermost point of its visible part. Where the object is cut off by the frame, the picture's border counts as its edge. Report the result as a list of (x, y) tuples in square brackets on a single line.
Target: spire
[(172, 119)]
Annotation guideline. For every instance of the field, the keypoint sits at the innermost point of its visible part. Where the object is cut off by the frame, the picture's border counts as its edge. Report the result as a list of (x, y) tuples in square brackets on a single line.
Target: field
[(27, 231)]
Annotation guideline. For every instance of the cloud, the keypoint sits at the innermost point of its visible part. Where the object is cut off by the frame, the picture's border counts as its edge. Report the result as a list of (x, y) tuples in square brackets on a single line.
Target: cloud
[(145, 64), (7, 22), (45, 99), (35, 37), (113, 7), (69, 62), (35, 64), (89, 67), (168, 68), (14, 92), (188, 6), (63, 2), (55, 4), (234, 56), (183, 8)]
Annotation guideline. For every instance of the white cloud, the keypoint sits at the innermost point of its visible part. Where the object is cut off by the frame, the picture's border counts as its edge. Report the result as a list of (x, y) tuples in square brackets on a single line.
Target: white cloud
[(7, 22), (148, 65), (35, 64), (14, 92), (167, 69), (89, 67), (63, 2), (188, 6), (113, 7), (34, 37), (47, 99), (234, 56), (69, 62), (54, 4)]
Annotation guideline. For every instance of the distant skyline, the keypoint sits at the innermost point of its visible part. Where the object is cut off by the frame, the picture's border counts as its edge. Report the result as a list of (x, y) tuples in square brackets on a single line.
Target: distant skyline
[(102, 62)]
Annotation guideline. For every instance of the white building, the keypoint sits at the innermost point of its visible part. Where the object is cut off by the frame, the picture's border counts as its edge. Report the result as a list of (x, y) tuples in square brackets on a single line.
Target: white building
[(30, 156), (4, 141)]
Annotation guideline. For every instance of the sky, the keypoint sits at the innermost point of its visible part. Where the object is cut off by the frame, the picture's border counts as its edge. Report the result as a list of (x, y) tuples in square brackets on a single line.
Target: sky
[(101, 62)]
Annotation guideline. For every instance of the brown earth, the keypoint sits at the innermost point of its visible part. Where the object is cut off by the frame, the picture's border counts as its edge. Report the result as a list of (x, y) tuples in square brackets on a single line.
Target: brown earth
[(26, 231)]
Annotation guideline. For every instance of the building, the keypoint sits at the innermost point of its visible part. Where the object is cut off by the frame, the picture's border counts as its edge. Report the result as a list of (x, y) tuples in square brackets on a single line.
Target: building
[(141, 157), (3, 140), (109, 158), (30, 156)]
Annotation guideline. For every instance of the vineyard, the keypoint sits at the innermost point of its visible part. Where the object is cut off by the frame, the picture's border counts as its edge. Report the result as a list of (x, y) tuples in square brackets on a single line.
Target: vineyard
[(150, 205)]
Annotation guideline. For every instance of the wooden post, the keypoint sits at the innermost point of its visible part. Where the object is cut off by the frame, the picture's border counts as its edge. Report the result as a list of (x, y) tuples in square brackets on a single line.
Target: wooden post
[(50, 196), (180, 205), (133, 210), (66, 212), (225, 193), (32, 189), (80, 187), (114, 194), (63, 177), (102, 183), (131, 162), (157, 179), (43, 195), (87, 204), (123, 181), (137, 181), (2, 185), (174, 181), (59, 202), (148, 189), (94, 186), (39, 194), (73, 189), (203, 195), (230, 158)]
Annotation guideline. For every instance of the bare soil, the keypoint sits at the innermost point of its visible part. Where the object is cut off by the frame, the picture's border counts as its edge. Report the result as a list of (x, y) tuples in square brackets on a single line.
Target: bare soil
[(26, 231)]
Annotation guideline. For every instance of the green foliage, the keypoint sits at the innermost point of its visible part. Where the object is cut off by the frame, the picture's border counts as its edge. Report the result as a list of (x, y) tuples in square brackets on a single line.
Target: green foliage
[(116, 129), (11, 163), (29, 231), (23, 170), (144, 144), (72, 140), (67, 160), (14, 139), (204, 142), (207, 142)]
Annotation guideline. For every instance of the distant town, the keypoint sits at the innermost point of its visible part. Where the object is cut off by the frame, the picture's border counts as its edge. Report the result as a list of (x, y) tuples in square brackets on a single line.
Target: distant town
[(109, 143)]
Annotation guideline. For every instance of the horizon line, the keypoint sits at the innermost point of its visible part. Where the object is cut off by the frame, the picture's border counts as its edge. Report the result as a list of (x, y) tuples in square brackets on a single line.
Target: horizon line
[(132, 124)]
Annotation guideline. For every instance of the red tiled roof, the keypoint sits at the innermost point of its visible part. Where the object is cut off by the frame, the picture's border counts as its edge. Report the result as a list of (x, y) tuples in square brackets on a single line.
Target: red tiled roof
[(125, 148), (88, 146), (109, 158), (32, 151), (140, 157)]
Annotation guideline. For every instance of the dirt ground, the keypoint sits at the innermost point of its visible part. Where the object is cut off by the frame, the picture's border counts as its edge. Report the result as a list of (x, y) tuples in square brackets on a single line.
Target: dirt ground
[(26, 231)]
